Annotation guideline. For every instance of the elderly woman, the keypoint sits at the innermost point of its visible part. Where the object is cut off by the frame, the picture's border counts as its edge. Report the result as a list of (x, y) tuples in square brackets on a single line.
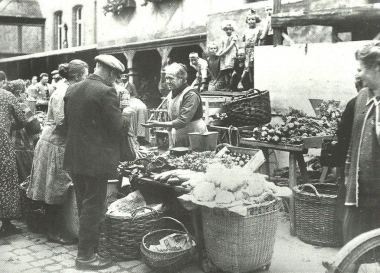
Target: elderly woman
[(358, 135), (184, 108), (23, 139), (49, 181), (13, 117)]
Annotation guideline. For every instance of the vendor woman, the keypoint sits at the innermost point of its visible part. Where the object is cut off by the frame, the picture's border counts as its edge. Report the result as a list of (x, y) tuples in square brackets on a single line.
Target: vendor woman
[(184, 108)]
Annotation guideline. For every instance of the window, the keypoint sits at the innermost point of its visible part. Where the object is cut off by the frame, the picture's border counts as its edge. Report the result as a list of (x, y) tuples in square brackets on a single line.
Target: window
[(58, 30), (78, 26)]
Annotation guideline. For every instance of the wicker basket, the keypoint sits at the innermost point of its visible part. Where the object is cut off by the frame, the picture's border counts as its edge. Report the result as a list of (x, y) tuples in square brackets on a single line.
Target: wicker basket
[(250, 109), (165, 262), (120, 237), (240, 244), (315, 212)]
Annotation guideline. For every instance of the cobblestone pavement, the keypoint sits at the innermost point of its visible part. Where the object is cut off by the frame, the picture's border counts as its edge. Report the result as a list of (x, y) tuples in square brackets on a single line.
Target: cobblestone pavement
[(29, 252)]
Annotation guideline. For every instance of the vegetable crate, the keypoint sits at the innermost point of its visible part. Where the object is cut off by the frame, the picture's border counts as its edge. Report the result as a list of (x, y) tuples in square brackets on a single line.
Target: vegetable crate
[(241, 244), (255, 157)]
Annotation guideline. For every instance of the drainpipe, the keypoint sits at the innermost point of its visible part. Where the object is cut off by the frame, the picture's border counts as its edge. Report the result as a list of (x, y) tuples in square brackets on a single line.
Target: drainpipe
[(95, 21)]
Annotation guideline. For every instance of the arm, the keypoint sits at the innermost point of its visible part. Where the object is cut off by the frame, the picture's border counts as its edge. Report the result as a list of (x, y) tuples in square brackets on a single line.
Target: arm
[(189, 106), (111, 113), (265, 30), (17, 113), (344, 131), (224, 52)]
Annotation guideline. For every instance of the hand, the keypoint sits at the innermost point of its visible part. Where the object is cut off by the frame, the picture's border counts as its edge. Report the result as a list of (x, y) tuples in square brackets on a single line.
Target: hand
[(151, 124)]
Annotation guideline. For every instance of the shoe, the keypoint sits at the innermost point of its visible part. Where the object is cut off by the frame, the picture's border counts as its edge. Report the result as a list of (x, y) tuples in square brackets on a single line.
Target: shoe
[(56, 238), (94, 263), (9, 230)]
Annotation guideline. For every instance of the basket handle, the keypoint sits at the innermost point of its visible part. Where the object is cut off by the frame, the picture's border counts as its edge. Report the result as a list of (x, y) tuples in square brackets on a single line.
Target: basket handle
[(310, 186), (134, 212), (175, 220)]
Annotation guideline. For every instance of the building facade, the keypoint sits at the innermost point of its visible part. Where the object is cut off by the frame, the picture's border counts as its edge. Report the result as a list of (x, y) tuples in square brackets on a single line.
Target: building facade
[(148, 34)]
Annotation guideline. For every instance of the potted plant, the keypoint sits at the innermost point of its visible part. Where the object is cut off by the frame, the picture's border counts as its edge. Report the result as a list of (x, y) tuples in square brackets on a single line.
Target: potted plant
[(118, 6)]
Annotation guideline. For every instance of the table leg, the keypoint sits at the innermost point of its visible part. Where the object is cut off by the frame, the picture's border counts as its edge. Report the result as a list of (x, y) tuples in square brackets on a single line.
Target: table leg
[(302, 166), (292, 184), (266, 165), (196, 217)]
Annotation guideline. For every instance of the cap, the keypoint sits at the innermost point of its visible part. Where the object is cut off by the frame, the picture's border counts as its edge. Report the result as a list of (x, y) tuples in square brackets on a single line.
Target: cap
[(110, 61), (54, 72)]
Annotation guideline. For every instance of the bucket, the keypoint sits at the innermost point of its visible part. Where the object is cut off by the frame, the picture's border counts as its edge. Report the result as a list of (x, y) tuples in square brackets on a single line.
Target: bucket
[(70, 209), (203, 142)]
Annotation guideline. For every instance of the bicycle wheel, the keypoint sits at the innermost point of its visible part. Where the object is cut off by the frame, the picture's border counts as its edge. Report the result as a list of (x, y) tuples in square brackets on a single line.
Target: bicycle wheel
[(361, 254)]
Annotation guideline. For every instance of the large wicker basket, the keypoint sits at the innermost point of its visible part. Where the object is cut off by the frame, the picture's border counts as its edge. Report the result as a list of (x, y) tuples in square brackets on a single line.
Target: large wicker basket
[(241, 244), (166, 262), (316, 217), (250, 109), (120, 237)]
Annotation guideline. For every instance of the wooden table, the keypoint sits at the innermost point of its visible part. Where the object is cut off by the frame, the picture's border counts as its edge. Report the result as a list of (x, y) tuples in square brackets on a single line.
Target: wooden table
[(296, 153)]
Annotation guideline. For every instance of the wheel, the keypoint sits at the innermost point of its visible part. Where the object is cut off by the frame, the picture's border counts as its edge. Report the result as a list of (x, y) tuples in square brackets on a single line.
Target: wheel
[(361, 254)]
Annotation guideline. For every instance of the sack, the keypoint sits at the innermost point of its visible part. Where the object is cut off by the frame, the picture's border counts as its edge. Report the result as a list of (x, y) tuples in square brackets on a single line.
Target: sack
[(330, 154), (128, 148)]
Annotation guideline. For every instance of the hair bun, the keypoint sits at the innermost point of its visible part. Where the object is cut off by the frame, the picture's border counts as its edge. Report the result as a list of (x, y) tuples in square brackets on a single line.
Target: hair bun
[(63, 70)]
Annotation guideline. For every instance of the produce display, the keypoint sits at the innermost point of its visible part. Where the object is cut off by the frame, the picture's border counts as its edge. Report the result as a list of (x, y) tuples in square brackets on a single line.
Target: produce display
[(296, 126), (196, 161), (230, 159), (226, 186)]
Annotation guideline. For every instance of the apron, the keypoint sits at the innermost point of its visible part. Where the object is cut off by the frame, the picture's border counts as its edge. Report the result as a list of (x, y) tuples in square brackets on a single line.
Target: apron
[(179, 137)]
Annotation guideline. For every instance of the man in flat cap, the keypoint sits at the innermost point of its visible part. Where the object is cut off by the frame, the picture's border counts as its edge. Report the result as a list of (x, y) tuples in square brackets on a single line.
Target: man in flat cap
[(55, 78), (94, 123)]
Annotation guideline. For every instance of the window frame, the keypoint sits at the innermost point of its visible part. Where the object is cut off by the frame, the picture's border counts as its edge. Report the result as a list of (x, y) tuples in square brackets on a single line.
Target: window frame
[(58, 30), (78, 26)]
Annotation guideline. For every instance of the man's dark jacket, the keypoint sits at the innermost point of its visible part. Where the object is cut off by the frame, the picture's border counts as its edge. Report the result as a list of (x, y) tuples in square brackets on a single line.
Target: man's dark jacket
[(95, 123)]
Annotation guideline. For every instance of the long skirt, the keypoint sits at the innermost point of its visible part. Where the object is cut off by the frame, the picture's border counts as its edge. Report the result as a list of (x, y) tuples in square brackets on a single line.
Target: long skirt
[(10, 203), (49, 182)]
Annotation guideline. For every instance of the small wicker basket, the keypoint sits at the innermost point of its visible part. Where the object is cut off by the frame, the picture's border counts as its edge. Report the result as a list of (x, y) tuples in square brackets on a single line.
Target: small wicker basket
[(250, 109), (166, 262), (120, 237), (241, 244), (316, 217)]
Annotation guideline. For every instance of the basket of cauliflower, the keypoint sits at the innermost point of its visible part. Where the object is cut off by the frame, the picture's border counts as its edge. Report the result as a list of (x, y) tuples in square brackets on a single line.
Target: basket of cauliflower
[(239, 214)]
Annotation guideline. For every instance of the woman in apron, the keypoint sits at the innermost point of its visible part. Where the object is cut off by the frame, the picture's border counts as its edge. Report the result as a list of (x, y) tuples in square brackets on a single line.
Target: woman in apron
[(185, 109)]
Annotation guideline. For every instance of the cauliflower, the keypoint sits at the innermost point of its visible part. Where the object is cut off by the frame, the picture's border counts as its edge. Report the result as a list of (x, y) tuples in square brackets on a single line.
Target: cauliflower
[(239, 195), (254, 189), (225, 197), (204, 192)]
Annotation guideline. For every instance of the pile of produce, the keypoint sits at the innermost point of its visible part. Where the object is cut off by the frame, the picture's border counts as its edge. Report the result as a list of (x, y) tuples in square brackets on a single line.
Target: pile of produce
[(196, 161), (296, 126), (228, 185), (229, 159)]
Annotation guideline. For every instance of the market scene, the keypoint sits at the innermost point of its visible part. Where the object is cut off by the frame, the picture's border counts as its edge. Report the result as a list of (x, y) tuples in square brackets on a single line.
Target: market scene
[(190, 136)]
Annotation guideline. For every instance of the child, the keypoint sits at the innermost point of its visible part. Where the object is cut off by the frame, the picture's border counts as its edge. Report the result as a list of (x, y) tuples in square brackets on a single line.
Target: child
[(240, 77), (228, 51), (251, 38), (216, 82)]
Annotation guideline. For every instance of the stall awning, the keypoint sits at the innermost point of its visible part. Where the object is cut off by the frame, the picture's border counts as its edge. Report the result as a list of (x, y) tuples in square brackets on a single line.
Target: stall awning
[(50, 53), (344, 16), (184, 38)]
